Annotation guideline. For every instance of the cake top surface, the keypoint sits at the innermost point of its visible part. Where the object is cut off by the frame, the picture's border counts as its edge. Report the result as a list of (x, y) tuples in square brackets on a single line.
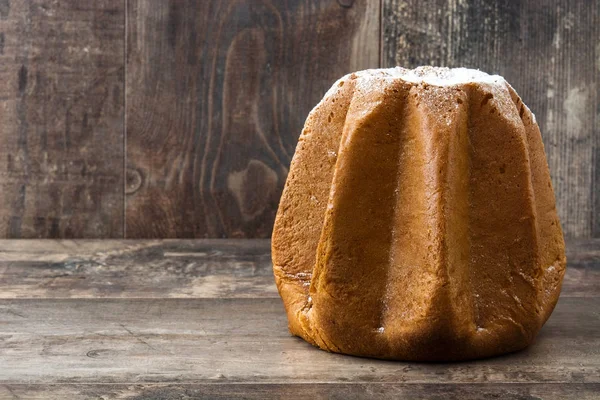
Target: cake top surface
[(440, 76), (372, 79)]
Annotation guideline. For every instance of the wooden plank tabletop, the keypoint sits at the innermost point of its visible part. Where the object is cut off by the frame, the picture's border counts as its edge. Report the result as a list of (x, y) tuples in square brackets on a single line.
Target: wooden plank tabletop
[(176, 319)]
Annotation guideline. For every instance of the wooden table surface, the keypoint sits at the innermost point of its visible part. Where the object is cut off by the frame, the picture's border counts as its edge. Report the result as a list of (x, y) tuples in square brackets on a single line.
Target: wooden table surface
[(179, 319)]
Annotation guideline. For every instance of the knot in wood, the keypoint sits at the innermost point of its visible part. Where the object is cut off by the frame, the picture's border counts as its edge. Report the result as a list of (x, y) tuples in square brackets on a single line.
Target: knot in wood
[(133, 181)]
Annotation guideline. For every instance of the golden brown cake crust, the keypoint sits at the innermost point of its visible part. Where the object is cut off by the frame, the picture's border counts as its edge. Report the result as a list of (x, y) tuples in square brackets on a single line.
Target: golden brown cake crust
[(418, 220)]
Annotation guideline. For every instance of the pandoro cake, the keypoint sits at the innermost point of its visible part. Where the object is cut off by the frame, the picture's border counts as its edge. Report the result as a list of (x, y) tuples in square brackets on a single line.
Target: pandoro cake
[(418, 220)]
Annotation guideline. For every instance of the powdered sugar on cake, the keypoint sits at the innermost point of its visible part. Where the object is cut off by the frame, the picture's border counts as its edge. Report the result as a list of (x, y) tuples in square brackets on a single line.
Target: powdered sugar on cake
[(441, 76), (434, 76)]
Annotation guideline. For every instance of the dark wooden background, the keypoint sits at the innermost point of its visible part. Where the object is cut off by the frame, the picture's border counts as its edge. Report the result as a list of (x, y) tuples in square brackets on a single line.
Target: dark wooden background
[(179, 118)]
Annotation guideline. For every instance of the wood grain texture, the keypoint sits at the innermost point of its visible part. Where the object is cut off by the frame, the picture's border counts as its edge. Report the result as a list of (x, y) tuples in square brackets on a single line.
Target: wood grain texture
[(61, 118), (131, 269), (186, 269), (316, 391), (247, 341), (548, 50), (228, 336), (217, 94)]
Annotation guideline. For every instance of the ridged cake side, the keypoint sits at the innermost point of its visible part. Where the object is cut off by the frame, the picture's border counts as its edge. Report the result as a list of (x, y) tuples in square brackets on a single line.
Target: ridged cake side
[(418, 222)]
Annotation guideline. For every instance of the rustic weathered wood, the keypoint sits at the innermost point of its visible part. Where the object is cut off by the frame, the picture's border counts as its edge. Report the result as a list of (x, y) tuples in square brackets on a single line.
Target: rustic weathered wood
[(228, 338), (549, 52), (217, 93), (141, 268), (185, 269), (317, 391), (247, 341), (61, 118)]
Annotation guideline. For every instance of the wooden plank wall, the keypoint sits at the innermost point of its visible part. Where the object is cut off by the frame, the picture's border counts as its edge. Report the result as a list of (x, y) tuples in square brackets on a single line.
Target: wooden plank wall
[(217, 95), (178, 118), (61, 118)]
